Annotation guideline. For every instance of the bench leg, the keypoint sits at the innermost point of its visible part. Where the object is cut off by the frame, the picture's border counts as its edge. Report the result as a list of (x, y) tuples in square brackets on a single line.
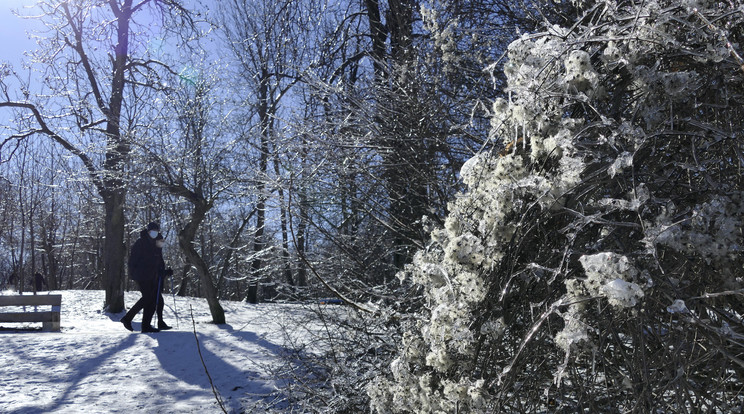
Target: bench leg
[(51, 326)]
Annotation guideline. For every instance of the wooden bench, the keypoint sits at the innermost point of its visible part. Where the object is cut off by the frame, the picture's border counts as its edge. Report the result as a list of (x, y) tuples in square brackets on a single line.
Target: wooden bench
[(49, 318)]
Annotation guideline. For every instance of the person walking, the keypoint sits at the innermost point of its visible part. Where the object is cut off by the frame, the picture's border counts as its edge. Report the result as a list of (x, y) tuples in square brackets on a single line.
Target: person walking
[(162, 274), (146, 265), (40, 282), (13, 281), (160, 301)]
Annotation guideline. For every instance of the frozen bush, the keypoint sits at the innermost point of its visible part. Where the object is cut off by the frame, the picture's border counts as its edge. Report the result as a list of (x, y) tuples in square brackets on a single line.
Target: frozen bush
[(594, 262)]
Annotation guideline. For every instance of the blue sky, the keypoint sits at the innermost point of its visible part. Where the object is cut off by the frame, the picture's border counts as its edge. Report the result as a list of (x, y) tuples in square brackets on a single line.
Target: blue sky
[(14, 41), (13, 38)]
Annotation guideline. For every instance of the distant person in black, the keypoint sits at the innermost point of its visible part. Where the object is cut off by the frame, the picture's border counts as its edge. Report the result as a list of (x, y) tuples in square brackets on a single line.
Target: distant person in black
[(146, 267), (40, 282), (13, 280)]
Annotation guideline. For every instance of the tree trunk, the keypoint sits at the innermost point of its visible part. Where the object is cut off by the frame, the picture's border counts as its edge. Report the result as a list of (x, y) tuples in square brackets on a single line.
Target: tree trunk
[(232, 248), (186, 241), (258, 246), (403, 156), (114, 251), (215, 309), (258, 242), (32, 243), (378, 34), (285, 234), (112, 188), (49, 260), (184, 281)]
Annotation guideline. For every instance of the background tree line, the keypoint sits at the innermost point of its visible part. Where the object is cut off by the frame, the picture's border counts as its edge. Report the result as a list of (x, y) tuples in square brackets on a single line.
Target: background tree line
[(280, 143)]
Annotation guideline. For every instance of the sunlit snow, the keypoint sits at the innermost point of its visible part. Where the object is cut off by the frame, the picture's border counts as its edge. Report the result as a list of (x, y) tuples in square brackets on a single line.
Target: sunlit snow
[(95, 365)]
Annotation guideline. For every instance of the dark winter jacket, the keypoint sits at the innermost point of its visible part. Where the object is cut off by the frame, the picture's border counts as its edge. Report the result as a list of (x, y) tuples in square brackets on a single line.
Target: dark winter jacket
[(145, 259)]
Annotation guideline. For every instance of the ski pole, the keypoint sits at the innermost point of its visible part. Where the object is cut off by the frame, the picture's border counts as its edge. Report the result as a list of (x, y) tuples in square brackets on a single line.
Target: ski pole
[(175, 310), (157, 298)]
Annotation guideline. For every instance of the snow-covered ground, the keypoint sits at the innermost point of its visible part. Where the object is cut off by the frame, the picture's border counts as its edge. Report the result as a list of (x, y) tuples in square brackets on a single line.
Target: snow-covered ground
[(95, 365)]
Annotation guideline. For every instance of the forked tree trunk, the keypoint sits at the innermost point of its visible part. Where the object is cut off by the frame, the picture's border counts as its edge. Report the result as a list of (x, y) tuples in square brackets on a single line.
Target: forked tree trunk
[(186, 242)]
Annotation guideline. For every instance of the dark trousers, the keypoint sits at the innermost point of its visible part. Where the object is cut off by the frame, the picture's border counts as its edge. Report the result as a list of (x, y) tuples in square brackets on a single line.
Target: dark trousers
[(149, 300)]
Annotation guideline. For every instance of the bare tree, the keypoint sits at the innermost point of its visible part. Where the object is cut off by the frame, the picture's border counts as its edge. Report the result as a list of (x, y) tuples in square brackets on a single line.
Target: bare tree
[(193, 165), (266, 38), (97, 70)]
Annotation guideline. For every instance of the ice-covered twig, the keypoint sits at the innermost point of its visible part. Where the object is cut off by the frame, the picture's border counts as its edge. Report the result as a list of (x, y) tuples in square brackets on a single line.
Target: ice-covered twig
[(198, 348)]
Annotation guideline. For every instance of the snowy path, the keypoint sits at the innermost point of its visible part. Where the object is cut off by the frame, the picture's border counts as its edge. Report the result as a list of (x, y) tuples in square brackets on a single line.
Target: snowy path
[(95, 365)]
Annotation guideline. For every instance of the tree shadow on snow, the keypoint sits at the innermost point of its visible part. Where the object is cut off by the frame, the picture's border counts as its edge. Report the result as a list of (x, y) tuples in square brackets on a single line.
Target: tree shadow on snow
[(293, 371), (238, 376), (76, 372), (284, 365)]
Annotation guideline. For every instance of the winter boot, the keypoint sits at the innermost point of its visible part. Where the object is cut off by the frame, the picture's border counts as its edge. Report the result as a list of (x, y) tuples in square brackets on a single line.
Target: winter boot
[(163, 327), (149, 328), (127, 323)]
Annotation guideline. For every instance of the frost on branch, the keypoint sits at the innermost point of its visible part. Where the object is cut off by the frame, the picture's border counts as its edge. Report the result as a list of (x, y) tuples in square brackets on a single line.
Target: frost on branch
[(711, 230), (594, 262), (611, 275)]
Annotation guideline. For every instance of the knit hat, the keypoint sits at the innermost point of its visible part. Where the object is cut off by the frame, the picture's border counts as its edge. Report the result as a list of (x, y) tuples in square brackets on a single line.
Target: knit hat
[(153, 226)]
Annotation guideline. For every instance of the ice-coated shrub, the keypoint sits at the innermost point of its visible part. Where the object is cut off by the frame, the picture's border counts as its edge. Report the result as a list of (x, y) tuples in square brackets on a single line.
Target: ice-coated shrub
[(594, 262)]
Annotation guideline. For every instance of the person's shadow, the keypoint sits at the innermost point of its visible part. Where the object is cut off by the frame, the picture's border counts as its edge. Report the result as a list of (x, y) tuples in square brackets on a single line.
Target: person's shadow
[(238, 375)]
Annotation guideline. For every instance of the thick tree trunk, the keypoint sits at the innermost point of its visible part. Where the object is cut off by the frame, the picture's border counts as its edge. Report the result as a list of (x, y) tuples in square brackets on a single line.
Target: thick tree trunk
[(378, 35), (406, 187), (114, 251), (112, 187)]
